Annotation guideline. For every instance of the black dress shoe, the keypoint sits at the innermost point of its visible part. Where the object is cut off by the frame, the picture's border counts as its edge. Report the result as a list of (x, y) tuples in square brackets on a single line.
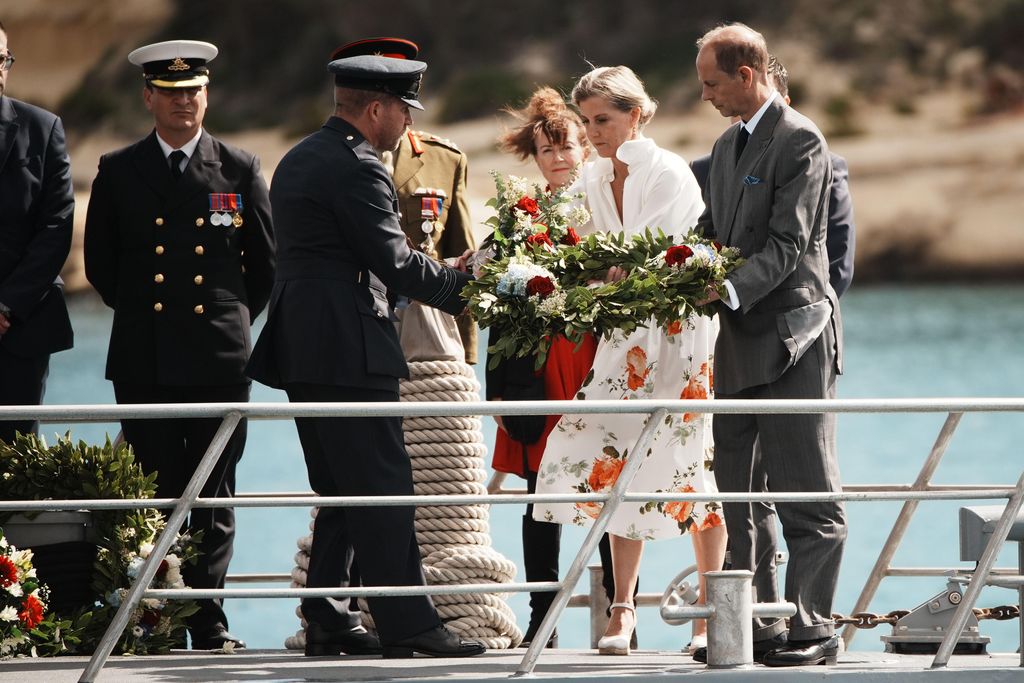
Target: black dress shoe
[(761, 648), (216, 639), (437, 642), (805, 653), (325, 642)]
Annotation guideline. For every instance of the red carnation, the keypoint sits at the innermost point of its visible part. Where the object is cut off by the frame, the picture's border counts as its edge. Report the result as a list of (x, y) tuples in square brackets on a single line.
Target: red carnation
[(8, 572), (677, 255), (540, 285), (718, 245), (539, 238), (31, 613), (571, 237), (529, 205), (150, 618)]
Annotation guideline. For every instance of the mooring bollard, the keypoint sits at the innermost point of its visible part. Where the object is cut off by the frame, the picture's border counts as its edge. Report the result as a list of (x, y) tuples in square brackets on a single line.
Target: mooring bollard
[(730, 611)]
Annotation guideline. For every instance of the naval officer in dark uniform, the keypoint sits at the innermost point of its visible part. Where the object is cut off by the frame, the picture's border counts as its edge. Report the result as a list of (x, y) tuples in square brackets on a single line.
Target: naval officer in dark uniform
[(330, 337), (179, 242)]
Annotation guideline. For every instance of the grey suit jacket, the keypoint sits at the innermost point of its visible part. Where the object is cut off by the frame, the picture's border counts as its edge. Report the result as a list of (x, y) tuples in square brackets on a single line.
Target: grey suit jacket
[(772, 204)]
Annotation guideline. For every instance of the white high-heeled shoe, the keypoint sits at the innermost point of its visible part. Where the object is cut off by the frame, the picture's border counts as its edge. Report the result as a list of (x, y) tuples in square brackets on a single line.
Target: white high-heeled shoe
[(617, 645), (696, 643)]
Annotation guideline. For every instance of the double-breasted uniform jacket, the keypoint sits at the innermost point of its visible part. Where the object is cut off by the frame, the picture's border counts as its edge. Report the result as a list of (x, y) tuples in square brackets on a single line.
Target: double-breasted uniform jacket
[(37, 207), (340, 250), (756, 202), (426, 167), (185, 286)]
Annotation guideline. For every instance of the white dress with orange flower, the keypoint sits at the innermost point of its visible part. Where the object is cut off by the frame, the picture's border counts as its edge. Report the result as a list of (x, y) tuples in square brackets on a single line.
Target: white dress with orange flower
[(585, 453)]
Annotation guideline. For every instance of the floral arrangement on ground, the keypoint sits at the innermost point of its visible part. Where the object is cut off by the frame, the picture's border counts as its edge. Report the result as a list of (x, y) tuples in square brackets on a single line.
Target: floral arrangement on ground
[(66, 471), (25, 628), (542, 290)]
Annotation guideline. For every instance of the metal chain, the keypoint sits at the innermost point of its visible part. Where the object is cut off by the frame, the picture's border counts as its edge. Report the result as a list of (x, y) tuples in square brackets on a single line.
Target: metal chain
[(871, 620)]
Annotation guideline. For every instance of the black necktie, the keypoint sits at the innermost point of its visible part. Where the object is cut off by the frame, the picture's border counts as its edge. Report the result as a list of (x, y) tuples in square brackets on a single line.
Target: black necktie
[(741, 141), (176, 157)]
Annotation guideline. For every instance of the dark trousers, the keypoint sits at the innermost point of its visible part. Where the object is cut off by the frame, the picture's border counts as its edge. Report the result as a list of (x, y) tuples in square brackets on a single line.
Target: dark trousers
[(22, 383), (173, 448), (361, 456), (796, 453)]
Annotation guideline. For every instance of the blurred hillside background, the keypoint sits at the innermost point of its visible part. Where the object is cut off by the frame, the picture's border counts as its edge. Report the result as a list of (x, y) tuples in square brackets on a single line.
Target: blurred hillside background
[(925, 98)]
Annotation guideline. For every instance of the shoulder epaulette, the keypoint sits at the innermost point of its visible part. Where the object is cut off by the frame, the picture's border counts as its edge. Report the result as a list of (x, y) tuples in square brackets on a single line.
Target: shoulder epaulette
[(424, 136)]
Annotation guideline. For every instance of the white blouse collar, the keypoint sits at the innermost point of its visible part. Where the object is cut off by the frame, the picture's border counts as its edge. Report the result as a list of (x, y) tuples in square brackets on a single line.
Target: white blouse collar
[(633, 153)]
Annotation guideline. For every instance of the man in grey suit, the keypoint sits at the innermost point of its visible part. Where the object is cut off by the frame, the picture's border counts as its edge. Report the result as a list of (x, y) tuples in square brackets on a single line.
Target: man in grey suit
[(780, 338)]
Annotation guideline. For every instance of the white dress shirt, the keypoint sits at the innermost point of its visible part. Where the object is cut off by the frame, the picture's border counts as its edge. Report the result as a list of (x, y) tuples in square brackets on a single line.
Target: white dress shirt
[(188, 148)]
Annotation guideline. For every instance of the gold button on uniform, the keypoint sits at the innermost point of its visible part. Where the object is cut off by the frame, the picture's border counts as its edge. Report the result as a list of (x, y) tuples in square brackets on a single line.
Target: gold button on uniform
[(158, 278), (198, 309), (199, 250), (198, 279), (158, 307), (159, 221), (159, 249), (199, 222)]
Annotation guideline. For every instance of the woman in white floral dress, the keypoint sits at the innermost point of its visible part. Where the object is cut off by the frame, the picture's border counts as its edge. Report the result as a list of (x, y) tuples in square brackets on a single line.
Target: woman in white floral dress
[(632, 186)]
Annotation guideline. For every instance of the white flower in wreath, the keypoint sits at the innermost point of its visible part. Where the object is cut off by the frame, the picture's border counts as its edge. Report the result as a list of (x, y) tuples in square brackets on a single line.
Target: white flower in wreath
[(15, 589), (703, 255), (138, 631), (578, 216), (516, 187), (145, 549), (9, 613)]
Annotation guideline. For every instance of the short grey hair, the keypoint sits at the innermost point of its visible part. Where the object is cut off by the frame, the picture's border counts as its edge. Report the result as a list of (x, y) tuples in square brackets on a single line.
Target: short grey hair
[(354, 101), (620, 87), (736, 45)]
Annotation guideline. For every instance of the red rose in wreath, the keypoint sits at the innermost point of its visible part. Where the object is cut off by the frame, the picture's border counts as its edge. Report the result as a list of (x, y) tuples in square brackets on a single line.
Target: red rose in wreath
[(540, 285), (571, 237), (529, 205), (677, 255), (539, 238)]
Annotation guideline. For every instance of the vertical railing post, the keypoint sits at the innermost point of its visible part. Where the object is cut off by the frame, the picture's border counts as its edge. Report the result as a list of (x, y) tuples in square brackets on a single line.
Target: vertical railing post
[(161, 545), (899, 528), (980, 576), (632, 466)]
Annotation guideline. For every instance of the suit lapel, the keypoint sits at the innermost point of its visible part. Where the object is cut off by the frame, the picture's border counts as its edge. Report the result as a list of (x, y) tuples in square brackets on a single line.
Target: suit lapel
[(152, 165), (199, 173), (8, 129), (756, 148), (407, 163)]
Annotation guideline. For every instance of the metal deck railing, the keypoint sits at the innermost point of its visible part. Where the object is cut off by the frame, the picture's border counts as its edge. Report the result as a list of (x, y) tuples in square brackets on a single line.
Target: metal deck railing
[(231, 413)]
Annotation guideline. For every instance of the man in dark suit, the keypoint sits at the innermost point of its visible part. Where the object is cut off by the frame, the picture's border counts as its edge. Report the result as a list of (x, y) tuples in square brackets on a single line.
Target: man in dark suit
[(330, 337), (37, 208), (841, 234), (780, 338), (179, 242)]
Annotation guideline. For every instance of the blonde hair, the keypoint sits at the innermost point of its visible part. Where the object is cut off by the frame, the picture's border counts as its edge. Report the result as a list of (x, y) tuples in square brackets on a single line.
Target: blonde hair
[(622, 88), (547, 113)]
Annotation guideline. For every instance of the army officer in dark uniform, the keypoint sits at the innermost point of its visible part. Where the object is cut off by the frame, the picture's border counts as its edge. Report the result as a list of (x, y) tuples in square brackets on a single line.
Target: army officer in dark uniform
[(179, 242), (329, 337), (429, 173)]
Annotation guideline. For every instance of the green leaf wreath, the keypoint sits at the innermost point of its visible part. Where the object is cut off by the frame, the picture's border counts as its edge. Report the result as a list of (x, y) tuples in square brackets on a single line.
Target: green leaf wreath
[(34, 471)]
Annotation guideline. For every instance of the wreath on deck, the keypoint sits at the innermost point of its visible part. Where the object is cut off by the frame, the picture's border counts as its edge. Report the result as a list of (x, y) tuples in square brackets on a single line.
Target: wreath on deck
[(124, 539)]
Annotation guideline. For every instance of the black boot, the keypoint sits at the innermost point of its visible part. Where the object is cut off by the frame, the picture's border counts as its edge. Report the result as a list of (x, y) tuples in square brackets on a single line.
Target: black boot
[(540, 557)]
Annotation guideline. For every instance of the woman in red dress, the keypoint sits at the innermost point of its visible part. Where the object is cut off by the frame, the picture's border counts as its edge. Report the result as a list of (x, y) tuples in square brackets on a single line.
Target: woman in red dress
[(552, 134)]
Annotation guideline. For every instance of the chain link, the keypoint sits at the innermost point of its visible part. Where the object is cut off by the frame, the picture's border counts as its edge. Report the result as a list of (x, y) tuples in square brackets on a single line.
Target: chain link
[(871, 620)]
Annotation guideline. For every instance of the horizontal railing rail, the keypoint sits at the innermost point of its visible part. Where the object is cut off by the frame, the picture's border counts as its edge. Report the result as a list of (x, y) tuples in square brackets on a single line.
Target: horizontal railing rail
[(232, 413)]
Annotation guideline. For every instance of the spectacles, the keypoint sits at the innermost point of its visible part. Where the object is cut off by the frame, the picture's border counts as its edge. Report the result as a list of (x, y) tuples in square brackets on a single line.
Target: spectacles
[(7, 61)]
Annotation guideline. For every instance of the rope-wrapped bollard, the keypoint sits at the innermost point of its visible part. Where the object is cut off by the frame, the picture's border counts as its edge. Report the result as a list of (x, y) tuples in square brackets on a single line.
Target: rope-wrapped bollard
[(447, 455)]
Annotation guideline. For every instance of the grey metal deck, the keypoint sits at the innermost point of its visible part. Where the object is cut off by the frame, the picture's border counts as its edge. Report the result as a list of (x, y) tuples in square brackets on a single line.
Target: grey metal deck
[(558, 665)]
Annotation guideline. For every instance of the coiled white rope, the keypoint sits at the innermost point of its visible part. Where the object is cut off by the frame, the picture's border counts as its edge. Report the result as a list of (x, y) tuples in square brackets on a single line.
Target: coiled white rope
[(447, 455)]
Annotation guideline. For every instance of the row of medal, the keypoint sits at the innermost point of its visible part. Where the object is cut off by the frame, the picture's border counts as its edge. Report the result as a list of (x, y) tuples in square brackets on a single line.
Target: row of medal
[(225, 219)]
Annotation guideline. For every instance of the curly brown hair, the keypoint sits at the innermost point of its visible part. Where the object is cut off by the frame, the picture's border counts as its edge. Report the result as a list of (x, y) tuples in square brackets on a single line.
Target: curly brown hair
[(547, 113)]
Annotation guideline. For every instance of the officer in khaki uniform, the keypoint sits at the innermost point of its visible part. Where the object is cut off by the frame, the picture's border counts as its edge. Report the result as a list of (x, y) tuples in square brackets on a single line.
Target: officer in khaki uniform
[(429, 173), (179, 242)]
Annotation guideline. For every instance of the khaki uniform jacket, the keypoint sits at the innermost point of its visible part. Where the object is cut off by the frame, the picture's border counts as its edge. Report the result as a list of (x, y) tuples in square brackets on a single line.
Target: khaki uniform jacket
[(425, 162)]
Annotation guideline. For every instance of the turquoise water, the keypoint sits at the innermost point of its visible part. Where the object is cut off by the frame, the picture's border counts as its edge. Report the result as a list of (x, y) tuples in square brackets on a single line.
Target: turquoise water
[(900, 342)]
